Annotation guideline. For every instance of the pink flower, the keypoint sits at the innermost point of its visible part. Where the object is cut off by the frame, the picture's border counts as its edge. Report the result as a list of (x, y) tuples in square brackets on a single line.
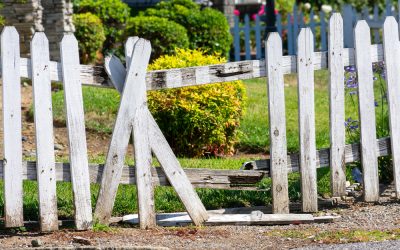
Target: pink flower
[(253, 17), (262, 10), (276, 12), (236, 12)]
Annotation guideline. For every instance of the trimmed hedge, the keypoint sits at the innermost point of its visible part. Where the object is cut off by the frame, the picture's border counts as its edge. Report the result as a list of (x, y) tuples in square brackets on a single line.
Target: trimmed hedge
[(165, 36), (113, 13), (90, 33), (207, 29), (201, 120)]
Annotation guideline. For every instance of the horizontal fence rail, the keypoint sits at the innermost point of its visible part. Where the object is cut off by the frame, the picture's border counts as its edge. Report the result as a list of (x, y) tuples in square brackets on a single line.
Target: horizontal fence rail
[(192, 76)]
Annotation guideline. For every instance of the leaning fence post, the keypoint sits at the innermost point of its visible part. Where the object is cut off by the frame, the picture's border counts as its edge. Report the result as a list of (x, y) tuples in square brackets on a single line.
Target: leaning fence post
[(46, 172), (73, 102), (10, 62)]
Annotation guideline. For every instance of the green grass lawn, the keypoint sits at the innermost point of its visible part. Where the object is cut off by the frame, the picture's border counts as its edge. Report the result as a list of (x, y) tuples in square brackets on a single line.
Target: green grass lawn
[(101, 106)]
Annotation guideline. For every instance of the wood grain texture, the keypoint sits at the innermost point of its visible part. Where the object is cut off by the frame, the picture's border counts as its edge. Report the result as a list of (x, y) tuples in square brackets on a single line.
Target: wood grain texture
[(305, 81), (169, 163), (200, 178), (336, 106), (73, 102), (191, 76), (122, 131), (143, 157), (391, 46), (43, 116), (277, 124), (362, 41), (10, 61)]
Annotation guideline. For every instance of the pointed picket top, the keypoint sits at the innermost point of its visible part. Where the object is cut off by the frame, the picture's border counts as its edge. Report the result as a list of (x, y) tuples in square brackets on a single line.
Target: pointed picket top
[(362, 43), (306, 38), (12, 145), (73, 102), (391, 48), (46, 174), (336, 110)]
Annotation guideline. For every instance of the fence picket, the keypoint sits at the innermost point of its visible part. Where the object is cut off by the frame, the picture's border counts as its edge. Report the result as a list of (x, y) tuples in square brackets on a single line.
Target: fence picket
[(305, 66), (312, 26), (236, 38), (348, 26), (391, 48), (247, 37), (376, 19), (323, 31), (388, 10), (257, 31), (362, 40), (143, 157), (295, 28), (73, 102), (10, 62), (336, 105), (277, 124), (43, 116), (290, 34), (279, 24)]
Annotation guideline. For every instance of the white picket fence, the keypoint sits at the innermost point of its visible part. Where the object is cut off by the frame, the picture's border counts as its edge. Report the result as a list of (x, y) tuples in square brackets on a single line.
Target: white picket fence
[(248, 36), (134, 118)]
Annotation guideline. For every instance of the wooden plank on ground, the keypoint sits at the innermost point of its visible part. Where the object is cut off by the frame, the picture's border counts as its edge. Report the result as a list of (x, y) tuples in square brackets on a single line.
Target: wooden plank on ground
[(10, 61), (366, 104), (391, 47), (305, 81), (277, 124), (43, 116), (336, 106), (122, 131), (216, 219), (143, 157), (73, 102), (172, 168), (191, 76)]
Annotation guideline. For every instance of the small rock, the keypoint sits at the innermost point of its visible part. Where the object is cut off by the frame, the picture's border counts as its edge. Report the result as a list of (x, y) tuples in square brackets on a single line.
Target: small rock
[(58, 147), (24, 138), (348, 184), (36, 243), (25, 84), (81, 240)]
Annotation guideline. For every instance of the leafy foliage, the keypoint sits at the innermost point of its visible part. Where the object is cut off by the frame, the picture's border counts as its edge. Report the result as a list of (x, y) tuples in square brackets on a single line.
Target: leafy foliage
[(113, 13), (90, 33), (201, 120), (216, 39), (164, 35)]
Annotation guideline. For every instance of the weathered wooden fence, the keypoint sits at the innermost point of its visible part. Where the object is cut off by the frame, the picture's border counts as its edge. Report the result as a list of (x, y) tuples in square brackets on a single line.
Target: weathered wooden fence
[(248, 36), (134, 118)]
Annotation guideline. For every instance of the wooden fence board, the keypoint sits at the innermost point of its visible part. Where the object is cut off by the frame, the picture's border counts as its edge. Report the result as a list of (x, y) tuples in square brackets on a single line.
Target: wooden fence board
[(10, 61), (391, 47), (175, 78), (73, 102), (305, 63), (277, 124), (43, 117), (362, 41), (121, 133), (336, 106), (169, 163), (143, 157)]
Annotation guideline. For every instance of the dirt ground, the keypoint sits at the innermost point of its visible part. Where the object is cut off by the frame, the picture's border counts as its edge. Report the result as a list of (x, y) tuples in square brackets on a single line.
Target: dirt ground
[(97, 143), (357, 216)]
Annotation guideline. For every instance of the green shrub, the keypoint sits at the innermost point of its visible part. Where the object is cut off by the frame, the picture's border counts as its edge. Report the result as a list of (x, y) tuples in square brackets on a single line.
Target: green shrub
[(198, 120), (90, 33), (207, 29), (163, 34), (113, 13)]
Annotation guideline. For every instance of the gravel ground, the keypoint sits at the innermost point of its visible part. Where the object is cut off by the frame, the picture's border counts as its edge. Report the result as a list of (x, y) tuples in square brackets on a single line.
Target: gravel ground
[(387, 245), (358, 216)]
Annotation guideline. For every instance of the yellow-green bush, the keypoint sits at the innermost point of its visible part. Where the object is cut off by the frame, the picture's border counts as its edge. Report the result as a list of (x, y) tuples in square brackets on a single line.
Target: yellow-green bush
[(90, 33), (199, 120)]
